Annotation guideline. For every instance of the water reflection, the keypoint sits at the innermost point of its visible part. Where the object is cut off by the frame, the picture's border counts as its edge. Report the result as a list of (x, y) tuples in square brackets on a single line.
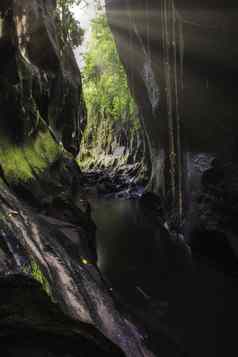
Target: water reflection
[(151, 271), (135, 253)]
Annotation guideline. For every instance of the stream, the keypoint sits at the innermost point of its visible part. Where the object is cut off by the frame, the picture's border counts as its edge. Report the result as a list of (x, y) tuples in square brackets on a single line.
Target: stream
[(126, 247)]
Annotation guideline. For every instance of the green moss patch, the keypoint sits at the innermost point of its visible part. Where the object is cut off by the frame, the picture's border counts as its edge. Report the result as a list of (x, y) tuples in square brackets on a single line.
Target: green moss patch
[(23, 163), (34, 270)]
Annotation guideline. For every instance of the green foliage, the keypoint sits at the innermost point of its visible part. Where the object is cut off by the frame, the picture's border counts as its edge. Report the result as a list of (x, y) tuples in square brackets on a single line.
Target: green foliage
[(109, 103), (69, 28), (34, 270), (23, 162)]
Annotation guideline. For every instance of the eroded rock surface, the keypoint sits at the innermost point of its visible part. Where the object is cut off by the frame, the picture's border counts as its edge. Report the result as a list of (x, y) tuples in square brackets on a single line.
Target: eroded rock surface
[(39, 77), (42, 232), (39, 328), (75, 283), (184, 81)]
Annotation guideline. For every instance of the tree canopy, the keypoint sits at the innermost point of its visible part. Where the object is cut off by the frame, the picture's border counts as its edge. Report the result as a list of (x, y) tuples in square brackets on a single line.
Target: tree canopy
[(70, 29), (106, 91), (105, 82)]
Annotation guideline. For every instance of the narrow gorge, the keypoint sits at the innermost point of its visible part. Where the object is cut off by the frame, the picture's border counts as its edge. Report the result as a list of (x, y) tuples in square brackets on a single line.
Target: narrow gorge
[(119, 238)]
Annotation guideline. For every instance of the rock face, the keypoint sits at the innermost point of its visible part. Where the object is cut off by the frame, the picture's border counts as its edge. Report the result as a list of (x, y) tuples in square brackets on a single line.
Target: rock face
[(42, 110), (40, 80), (182, 66), (39, 328), (58, 250), (42, 232), (184, 81)]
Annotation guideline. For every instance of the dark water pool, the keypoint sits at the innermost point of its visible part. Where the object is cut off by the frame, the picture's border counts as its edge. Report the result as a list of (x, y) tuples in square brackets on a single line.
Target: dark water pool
[(134, 252), (152, 271)]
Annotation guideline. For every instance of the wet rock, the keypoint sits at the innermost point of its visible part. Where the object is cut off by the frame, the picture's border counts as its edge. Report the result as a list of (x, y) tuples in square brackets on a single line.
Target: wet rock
[(39, 328), (59, 249), (119, 183)]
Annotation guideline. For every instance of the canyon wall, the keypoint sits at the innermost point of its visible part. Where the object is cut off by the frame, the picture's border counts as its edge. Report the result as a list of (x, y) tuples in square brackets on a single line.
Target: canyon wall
[(44, 236), (181, 62), (40, 80)]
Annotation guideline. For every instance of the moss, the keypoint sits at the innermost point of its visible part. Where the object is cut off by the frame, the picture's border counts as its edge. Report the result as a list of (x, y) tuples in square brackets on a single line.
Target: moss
[(24, 162), (34, 270)]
